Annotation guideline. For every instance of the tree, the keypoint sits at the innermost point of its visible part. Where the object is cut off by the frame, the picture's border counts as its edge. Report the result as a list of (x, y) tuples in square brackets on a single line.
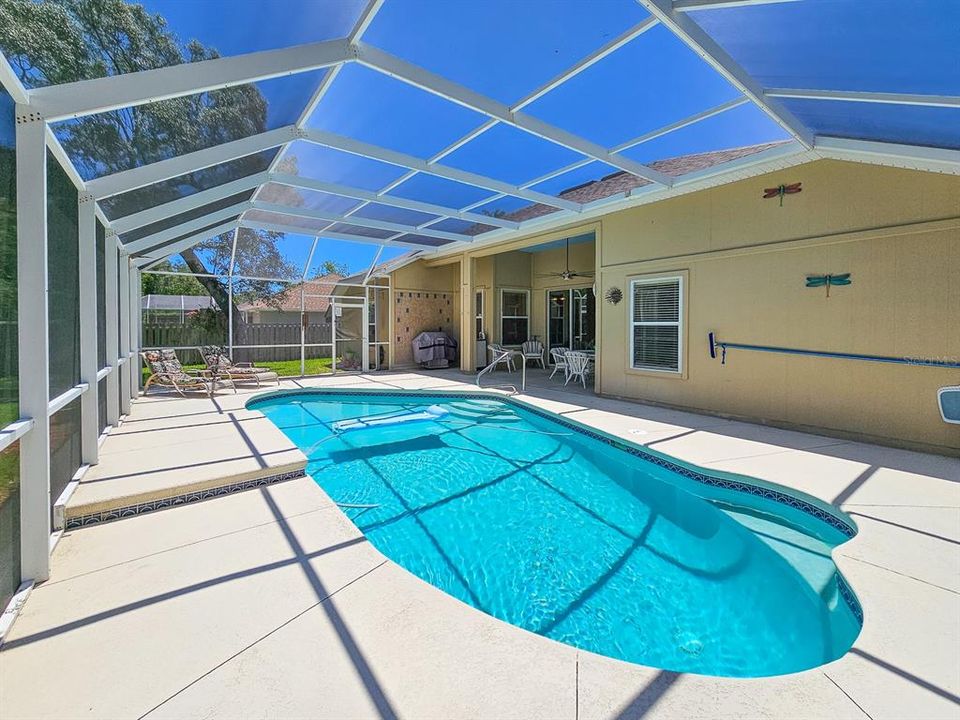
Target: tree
[(59, 41), (183, 284), (331, 267)]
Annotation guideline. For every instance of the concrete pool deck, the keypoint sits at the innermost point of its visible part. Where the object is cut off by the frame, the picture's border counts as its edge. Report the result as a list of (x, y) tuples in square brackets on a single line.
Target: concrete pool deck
[(269, 602)]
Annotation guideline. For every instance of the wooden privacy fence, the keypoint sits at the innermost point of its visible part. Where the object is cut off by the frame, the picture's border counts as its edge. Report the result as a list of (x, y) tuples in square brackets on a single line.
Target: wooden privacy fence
[(157, 335)]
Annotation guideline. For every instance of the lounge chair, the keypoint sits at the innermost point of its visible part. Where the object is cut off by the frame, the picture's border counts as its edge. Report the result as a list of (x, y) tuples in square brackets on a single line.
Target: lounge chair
[(220, 363), (166, 371), (533, 350)]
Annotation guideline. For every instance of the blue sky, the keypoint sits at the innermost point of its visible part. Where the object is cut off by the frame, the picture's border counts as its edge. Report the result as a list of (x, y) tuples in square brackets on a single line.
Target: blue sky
[(506, 49)]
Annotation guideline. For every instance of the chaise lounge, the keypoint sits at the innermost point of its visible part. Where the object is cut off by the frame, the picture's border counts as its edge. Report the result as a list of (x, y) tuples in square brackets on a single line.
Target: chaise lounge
[(219, 363)]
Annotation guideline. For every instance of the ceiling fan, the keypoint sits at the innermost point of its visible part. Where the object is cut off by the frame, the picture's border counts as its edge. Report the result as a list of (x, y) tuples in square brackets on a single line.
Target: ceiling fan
[(567, 273)]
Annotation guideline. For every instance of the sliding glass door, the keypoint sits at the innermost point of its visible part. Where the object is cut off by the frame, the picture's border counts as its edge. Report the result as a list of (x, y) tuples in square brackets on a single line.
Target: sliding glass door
[(571, 316)]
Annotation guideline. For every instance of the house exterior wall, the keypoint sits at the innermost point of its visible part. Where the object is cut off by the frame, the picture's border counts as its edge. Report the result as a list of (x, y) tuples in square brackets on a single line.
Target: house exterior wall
[(554, 260), (744, 260), (423, 298)]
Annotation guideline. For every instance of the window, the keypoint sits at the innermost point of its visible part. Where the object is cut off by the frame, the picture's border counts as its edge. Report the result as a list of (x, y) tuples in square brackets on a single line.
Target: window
[(514, 316), (478, 313), (656, 339)]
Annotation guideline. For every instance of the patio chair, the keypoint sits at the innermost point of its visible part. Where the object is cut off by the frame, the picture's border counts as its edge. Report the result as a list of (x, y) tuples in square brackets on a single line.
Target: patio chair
[(494, 349), (166, 371), (533, 350), (559, 356), (578, 365), (220, 363)]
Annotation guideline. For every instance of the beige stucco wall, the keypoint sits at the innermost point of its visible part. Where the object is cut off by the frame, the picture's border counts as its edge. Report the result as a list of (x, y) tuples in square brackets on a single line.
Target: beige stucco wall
[(419, 298), (582, 258), (745, 260)]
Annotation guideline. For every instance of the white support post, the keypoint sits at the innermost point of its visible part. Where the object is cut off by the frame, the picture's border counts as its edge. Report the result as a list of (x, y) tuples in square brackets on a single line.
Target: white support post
[(303, 329), (33, 338), (233, 259), (123, 301), (365, 334), (135, 324), (112, 328), (333, 335), (89, 401)]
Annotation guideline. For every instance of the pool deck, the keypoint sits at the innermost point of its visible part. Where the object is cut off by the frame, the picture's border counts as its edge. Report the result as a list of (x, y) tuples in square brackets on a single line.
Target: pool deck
[(269, 603)]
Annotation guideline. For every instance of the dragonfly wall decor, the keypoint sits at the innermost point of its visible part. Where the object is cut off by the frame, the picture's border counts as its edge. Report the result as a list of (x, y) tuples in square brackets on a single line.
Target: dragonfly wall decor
[(782, 190), (828, 280)]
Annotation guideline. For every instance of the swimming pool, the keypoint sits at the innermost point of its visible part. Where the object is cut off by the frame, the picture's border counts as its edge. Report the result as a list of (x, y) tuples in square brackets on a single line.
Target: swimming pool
[(579, 537)]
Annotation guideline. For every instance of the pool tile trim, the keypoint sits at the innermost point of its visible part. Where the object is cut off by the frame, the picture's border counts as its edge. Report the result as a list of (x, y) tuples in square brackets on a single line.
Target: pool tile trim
[(80, 521)]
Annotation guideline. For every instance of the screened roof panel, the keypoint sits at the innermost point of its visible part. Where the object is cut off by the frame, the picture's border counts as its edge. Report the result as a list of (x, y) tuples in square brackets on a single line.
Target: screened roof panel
[(243, 26), (308, 225), (744, 125), (387, 213), (277, 256), (430, 188), (361, 231), (369, 106), (174, 220), (633, 91), (302, 197), (511, 155), (206, 255), (216, 242), (576, 176), (501, 206), (912, 125), (498, 51), (456, 225), (424, 240), (168, 190), (322, 163), (501, 48), (98, 144), (865, 45)]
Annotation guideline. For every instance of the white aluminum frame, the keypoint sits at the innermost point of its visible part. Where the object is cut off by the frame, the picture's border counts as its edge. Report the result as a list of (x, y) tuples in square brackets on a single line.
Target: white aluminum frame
[(86, 97), (706, 47), (39, 107), (943, 101), (33, 345)]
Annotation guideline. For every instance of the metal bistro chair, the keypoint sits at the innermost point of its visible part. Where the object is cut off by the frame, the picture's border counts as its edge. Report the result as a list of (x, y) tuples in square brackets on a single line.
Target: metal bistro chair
[(578, 365), (494, 349), (559, 356), (533, 350)]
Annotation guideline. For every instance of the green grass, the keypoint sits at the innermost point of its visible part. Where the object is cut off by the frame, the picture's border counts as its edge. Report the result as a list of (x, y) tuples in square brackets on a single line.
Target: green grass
[(283, 368)]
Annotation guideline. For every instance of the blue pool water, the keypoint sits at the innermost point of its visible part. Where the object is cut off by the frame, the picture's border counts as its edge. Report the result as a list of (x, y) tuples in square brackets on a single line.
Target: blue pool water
[(557, 532)]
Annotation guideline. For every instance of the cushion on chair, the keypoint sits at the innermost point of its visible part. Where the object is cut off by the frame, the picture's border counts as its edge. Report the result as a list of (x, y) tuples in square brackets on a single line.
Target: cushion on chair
[(171, 362)]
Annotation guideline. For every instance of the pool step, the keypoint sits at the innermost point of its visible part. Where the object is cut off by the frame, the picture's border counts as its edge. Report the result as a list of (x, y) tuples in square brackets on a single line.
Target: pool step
[(481, 411)]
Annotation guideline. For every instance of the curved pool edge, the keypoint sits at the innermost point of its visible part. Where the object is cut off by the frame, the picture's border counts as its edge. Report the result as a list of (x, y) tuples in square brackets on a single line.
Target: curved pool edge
[(799, 500)]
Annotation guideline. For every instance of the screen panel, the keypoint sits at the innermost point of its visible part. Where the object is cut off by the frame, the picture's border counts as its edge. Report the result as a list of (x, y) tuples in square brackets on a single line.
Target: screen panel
[(63, 279)]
